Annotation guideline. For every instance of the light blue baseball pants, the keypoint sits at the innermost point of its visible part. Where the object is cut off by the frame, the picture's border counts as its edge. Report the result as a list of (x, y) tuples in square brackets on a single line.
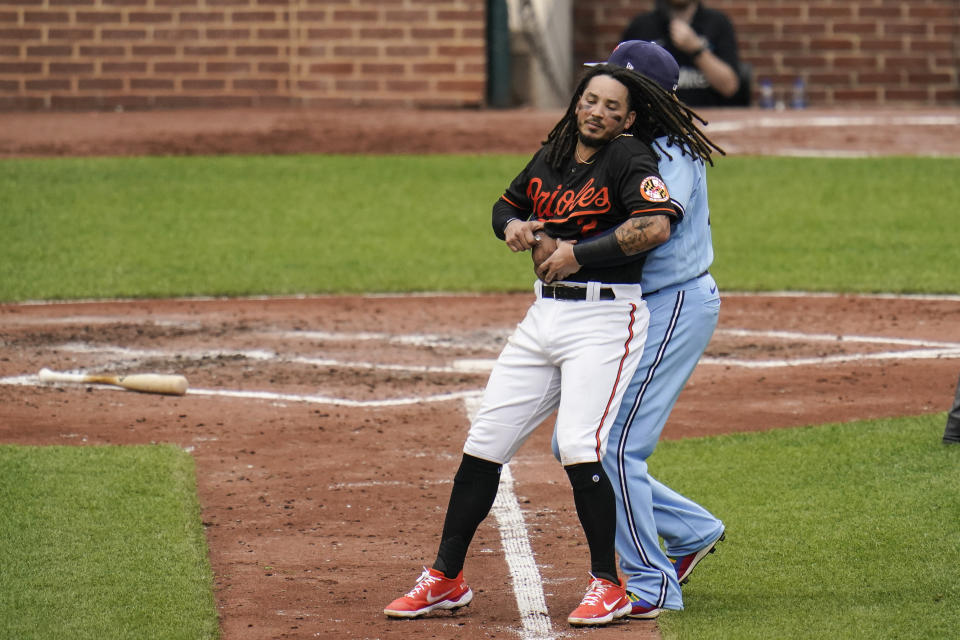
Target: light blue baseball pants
[(682, 320)]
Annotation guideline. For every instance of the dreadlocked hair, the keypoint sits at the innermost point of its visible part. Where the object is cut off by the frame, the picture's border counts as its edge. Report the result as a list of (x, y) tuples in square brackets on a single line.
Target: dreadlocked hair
[(659, 113)]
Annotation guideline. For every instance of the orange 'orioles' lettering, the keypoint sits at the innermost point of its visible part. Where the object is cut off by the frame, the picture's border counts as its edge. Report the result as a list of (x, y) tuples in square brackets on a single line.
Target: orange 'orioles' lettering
[(557, 206)]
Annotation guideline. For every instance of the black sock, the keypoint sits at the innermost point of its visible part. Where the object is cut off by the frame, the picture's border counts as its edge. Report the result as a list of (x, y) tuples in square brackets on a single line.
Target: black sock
[(474, 490), (597, 508)]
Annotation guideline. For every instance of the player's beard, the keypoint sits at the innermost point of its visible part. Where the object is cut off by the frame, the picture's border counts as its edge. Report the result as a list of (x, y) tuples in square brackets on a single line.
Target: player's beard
[(592, 142), (596, 140)]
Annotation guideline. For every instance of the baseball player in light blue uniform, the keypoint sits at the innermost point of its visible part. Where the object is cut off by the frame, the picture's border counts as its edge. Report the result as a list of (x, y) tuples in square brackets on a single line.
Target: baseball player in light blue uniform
[(684, 306)]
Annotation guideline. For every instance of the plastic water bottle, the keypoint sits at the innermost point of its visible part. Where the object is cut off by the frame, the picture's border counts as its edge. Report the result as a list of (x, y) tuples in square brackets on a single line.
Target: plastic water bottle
[(798, 99), (766, 94)]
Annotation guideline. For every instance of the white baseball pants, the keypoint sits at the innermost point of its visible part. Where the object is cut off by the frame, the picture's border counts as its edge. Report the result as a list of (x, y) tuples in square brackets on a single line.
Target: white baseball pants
[(574, 356)]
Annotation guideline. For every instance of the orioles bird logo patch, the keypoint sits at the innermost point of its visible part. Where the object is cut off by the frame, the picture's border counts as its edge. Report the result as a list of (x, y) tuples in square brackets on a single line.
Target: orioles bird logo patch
[(653, 189)]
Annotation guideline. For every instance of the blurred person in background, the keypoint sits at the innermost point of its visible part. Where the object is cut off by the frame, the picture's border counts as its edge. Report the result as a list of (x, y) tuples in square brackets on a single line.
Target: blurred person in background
[(704, 44), (684, 304), (952, 433)]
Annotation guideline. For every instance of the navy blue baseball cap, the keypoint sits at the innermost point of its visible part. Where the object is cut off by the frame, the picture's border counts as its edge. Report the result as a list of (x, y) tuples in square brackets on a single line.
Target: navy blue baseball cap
[(646, 58)]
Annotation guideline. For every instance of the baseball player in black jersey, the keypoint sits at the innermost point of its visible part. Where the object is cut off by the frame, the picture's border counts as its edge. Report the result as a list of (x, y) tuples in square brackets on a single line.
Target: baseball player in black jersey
[(575, 351), (594, 191)]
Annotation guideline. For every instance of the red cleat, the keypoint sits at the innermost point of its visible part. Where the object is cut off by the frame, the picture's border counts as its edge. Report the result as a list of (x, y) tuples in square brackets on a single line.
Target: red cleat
[(432, 591), (684, 565), (605, 601)]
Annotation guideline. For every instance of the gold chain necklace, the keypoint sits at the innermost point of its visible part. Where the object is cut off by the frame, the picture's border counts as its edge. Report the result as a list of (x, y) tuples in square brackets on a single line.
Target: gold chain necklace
[(576, 154)]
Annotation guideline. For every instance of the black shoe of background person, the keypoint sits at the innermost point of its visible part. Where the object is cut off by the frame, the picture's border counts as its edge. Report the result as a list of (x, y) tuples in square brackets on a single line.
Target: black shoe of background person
[(951, 435)]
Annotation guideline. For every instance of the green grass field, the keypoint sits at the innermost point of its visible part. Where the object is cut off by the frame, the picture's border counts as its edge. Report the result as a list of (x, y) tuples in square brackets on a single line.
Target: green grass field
[(150, 227), (846, 531), (102, 542), (836, 531)]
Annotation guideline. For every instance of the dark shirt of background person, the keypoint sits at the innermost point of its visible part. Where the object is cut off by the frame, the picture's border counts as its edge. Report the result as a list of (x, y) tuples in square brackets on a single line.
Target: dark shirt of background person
[(717, 46)]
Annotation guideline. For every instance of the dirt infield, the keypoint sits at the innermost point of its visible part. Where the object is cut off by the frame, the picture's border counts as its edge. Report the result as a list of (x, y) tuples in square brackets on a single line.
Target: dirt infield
[(326, 429), (213, 131)]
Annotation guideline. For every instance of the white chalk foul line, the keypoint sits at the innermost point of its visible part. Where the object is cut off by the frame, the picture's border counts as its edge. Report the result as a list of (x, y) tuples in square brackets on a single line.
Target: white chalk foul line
[(834, 337), (34, 381), (935, 349), (916, 354), (527, 583)]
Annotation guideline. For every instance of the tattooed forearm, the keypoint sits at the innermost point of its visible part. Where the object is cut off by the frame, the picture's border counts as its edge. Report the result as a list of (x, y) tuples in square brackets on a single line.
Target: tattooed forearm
[(631, 237), (642, 234)]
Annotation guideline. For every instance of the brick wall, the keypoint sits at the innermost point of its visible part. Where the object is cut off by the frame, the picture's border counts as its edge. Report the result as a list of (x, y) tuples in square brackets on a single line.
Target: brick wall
[(111, 54), (849, 52), (105, 54)]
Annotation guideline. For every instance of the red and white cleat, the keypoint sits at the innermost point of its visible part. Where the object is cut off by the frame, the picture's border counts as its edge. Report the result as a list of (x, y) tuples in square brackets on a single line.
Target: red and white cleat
[(432, 591), (604, 602)]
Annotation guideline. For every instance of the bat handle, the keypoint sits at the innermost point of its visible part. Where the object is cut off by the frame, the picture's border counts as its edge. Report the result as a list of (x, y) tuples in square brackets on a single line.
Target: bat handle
[(46, 375)]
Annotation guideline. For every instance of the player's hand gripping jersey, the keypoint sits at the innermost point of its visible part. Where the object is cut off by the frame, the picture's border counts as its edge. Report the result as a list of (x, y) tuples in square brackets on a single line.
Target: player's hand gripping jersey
[(583, 200)]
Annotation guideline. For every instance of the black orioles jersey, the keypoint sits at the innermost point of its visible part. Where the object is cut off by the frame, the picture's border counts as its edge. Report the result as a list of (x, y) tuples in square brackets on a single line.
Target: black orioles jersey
[(581, 200)]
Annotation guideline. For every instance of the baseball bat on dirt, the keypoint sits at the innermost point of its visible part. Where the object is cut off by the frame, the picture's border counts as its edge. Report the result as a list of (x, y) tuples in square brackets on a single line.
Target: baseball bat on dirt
[(169, 384)]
